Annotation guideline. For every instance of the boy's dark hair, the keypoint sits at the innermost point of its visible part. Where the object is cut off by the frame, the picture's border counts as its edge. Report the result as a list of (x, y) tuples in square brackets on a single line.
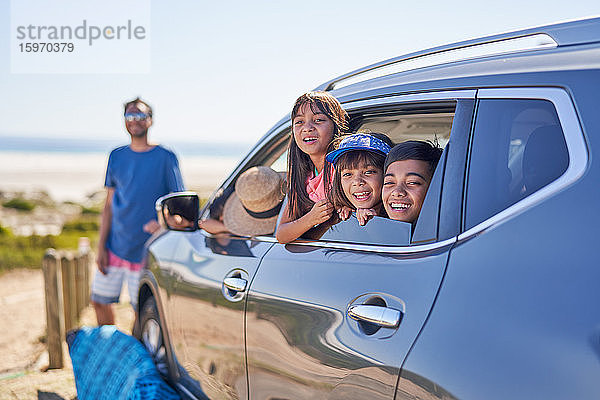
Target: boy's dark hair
[(383, 137), (300, 165), (137, 101), (415, 150)]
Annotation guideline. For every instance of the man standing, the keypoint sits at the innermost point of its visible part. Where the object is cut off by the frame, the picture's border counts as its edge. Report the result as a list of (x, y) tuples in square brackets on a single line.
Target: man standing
[(136, 176)]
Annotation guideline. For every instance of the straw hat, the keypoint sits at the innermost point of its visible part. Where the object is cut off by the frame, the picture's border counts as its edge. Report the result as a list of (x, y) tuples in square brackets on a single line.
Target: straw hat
[(254, 206)]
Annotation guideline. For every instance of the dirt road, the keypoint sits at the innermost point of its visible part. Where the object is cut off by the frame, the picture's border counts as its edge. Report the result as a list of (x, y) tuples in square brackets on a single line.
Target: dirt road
[(22, 334)]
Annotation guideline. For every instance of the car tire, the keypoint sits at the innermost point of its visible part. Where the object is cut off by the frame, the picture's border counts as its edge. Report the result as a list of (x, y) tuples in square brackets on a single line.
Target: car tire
[(151, 336)]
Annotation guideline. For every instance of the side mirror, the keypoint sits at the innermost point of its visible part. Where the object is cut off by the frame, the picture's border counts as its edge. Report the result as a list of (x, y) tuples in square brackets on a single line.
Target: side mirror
[(179, 211)]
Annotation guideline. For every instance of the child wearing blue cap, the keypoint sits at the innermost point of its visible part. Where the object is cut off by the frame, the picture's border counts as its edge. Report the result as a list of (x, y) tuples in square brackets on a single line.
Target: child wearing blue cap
[(358, 176)]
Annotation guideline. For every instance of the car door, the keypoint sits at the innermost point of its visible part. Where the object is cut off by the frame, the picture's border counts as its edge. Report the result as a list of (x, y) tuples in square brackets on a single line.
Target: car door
[(516, 316), (211, 274), (207, 313), (335, 317)]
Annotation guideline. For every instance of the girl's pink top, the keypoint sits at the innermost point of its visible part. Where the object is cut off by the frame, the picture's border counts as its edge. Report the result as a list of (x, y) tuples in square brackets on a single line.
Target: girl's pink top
[(315, 186)]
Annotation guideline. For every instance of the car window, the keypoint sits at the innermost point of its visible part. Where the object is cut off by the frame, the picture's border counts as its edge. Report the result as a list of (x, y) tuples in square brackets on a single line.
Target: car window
[(271, 153), (428, 123), (384, 231), (280, 164), (517, 147)]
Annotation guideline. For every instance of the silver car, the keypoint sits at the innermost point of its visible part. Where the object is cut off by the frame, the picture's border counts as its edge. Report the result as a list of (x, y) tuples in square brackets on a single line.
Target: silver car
[(493, 294)]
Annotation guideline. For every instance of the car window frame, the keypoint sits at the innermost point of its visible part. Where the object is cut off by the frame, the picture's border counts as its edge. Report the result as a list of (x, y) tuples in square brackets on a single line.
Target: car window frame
[(576, 146), (450, 213)]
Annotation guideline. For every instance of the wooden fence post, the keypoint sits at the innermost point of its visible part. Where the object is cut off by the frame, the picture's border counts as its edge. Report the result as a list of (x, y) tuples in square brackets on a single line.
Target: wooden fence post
[(55, 334), (69, 294), (88, 264), (89, 274), (85, 253), (81, 282)]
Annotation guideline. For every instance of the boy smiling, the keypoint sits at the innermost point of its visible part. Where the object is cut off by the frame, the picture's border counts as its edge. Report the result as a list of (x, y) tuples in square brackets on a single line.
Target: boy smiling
[(408, 167)]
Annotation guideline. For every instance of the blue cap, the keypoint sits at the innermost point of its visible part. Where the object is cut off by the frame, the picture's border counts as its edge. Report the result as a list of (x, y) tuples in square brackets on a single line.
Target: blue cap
[(359, 141)]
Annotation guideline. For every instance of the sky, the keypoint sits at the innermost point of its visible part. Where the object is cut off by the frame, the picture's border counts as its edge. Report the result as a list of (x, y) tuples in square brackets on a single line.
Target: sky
[(225, 72)]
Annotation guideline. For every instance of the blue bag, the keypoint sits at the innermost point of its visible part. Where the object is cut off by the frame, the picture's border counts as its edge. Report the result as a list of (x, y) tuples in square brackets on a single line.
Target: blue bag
[(109, 364)]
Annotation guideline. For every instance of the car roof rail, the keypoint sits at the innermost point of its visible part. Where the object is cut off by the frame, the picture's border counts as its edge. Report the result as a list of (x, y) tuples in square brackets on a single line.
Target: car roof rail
[(557, 35)]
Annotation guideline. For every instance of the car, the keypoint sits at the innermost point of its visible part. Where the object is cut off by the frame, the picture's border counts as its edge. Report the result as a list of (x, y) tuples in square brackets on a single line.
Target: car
[(494, 293)]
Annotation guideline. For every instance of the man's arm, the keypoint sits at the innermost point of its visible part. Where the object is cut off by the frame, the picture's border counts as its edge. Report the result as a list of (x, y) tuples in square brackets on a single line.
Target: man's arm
[(105, 222), (174, 184), (174, 178)]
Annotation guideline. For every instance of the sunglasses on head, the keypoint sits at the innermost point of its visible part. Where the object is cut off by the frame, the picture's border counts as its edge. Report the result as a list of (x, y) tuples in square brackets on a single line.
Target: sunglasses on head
[(129, 117)]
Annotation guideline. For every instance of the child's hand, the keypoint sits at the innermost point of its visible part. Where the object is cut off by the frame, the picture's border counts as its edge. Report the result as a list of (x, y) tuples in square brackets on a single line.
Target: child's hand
[(320, 212), (363, 215), (344, 212)]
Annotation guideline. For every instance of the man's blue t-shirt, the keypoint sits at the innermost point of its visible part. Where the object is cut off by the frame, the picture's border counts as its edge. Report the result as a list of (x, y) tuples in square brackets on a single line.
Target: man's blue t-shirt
[(139, 179)]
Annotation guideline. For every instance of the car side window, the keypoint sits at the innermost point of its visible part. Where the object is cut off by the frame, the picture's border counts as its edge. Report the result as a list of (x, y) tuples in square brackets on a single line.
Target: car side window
[(401, 124), (449, 125), (517, 148), (384, 231)]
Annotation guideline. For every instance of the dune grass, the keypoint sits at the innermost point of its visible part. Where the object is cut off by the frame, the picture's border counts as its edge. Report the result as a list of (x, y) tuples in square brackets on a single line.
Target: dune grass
[(28, 251)]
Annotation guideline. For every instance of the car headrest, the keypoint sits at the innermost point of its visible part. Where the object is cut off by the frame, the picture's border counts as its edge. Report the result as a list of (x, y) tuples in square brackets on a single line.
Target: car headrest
[(545, 157)]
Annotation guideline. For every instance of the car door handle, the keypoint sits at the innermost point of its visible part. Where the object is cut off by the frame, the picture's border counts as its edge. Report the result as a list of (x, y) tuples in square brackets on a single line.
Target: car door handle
[(235, 284), (382, 316)]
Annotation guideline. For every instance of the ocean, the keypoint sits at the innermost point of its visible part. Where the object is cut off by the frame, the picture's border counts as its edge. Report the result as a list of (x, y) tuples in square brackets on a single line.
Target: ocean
[(71, 170)]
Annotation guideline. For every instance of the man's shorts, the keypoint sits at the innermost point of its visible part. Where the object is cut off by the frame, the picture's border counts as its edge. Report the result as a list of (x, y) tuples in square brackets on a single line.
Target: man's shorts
[(106, 289)]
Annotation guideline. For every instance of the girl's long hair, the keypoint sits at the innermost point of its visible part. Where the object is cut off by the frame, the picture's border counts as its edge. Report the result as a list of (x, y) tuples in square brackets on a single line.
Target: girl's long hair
[(300, 165)]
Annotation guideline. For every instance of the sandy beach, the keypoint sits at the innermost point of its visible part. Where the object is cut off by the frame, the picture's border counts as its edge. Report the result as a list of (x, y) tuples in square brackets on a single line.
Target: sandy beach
[(23, 374)]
